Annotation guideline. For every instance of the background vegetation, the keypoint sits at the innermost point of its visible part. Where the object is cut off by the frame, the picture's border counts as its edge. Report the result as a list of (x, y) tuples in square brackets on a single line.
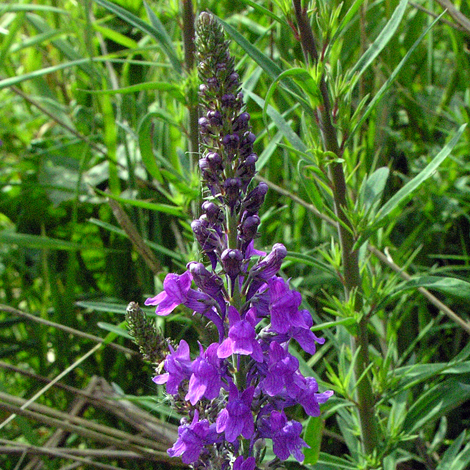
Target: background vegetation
[(99, 183)]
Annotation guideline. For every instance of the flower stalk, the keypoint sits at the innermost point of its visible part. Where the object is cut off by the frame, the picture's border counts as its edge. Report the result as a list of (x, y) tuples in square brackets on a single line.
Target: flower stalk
[(237, 390), (351, 272)]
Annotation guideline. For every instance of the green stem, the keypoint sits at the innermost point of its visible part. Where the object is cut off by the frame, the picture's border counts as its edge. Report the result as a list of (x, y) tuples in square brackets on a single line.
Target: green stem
[(351, 273)]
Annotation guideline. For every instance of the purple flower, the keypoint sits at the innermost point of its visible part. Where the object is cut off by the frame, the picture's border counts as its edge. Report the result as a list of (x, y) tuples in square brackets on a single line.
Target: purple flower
[(285, 436), (177, 366), (309, 398), (192, 438), (241, 338), (284, 306), (237, 418), (205, 380), (242, 464), (177, 291), (303, 336), (281, 369)]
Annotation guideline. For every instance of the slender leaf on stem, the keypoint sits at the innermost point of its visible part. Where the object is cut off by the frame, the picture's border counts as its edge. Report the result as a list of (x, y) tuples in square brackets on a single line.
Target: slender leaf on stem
[(379, 95), (119, 330), (165, 208), (434, 403), (446, 285), (380, 42), (412, 185)]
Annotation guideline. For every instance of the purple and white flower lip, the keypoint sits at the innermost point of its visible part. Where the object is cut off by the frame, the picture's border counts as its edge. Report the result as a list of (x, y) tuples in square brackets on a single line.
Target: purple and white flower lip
[(236, 390)]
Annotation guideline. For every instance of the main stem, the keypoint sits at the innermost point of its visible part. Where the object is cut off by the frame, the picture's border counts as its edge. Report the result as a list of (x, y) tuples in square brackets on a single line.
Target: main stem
[(352, 277)]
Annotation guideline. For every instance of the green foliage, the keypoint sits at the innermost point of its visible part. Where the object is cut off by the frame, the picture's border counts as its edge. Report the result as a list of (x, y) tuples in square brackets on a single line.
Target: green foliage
[(95, 106)]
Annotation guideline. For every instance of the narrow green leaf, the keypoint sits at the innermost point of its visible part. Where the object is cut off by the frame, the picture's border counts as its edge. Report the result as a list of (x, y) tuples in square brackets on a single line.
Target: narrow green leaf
[(165, 208), (164, 38), (310, 261), (380, 42), (35, 40), (412, 185), (331, 462), (379, 95), (159, 86), (282, 125), (8, 7), (375, 186), (115, 329), (264, 11), (270, 67), (446, 285), (268, 151), (102, 306), (310, 186), (8, 82), (61, 44), (178, 257), (434, 403), (151, 30), (312, 436), (146, 146), (453, 459), (115, 36), (347, 20), (42, 242), (305, 83)]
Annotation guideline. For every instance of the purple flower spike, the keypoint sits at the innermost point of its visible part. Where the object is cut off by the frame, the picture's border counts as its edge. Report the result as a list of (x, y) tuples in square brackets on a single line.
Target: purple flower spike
[(192, 438), (178, 291), (237, 418), (215, 118), (242, 464), (208, 282), (177, 366), (241, 122), (241, 338), (205, 380)]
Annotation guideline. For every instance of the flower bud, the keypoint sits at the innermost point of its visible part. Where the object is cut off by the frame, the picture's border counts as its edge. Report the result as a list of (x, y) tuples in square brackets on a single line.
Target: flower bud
[(254, 199), (231, 142), (232, 262), (249, 227), (203, 125), (208, 282), (241, 122), (228, 100), (232, 192), (213, 212), (207, 238), (215, 118)]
